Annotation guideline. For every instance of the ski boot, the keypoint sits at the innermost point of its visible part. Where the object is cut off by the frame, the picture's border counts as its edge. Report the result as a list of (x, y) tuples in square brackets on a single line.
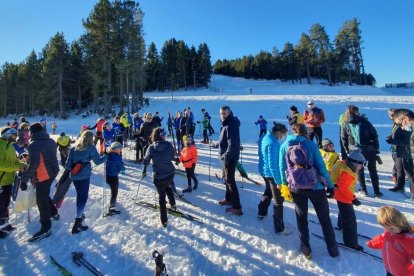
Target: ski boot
[(78, 227)]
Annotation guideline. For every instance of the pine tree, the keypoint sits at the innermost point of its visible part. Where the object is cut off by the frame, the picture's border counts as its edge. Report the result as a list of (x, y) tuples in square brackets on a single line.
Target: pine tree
[(153, 68), (306, 54), (323, 49)]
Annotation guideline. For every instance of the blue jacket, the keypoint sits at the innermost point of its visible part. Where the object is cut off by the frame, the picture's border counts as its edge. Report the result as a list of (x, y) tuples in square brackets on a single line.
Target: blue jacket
[(314, 156), (118, 129), (84, 156), (262, 123), (177, 123), (109, 137), (129, 119), (138, 122), (207, 115), (161, 153), (269, 156), (229, 143), (114, 164)]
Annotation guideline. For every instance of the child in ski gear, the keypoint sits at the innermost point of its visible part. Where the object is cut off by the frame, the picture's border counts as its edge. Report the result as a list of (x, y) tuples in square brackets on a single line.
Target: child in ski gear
[(161, 152), (108, 135), (206, 123), (9, 165), (170, 124), (229, 152), (23, 135), (118, 128), (54, 126), (344, 175), (295, 117), (125, 122), (314, 118), (157, 118), (43, 169), (262, 124), (189, 159), (309, 163), (328, 154), (268, 152), (99, 126), (80, 157), (358, 132), (205, 114), (63, 142), (44, 124), (396, 243), (177, 124), (137, 122), (146, 130), (114, 166)]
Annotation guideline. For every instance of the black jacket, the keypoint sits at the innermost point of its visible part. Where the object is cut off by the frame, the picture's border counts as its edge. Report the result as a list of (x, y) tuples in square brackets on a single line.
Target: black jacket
[(368, 137), (161, 153), (147, 128), (229, 143), (400, 141), (43, 163)]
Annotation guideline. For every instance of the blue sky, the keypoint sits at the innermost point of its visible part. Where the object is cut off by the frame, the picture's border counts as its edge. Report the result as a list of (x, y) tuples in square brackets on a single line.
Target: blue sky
[(231, 28)]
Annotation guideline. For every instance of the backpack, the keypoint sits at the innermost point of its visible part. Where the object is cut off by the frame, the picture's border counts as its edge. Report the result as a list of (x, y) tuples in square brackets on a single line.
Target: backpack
[(300, 172)]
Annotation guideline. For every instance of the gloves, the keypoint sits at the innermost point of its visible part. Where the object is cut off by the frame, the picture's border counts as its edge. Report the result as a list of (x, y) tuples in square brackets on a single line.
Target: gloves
[(177, 161), (23, 185), (330, 192), (379, 160), (285, 193), (389, 139), (144, 172), (356, 202)]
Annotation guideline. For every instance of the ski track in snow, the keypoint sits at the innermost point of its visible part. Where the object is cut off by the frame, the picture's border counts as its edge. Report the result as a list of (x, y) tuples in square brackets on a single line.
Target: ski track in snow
[(225, 244)]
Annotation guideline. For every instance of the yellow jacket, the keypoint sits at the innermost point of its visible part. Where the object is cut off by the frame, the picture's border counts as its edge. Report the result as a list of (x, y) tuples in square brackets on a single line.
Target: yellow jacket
[(9, 163), (330, 159), (124, 120)]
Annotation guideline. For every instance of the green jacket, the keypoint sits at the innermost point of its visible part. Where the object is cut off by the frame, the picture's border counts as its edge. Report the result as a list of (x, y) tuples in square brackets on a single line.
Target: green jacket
[(9, 163), (205, 123)]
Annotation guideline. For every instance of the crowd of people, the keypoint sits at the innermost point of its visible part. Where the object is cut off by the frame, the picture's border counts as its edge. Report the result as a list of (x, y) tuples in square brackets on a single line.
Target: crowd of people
[(293, 166)]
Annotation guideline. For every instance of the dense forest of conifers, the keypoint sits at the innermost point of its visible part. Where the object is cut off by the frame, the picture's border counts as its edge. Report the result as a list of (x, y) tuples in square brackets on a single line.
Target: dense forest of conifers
[(314, 56), (109, 64)]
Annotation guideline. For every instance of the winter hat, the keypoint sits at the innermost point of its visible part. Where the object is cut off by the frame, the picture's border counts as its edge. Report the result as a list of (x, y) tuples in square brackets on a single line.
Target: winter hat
[(106, 124), (62, 134), (43, 120), (116, 145), (326, 142), (84, 127), (294, 108), (310, 102), (36, 127), (202, 110), (261, 117), (356, 157), (7, 132)]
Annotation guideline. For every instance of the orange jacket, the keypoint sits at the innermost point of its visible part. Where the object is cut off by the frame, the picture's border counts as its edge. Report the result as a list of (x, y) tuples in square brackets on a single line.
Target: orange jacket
[(313, 117), (188, 156), (344, 180), (397, 252)]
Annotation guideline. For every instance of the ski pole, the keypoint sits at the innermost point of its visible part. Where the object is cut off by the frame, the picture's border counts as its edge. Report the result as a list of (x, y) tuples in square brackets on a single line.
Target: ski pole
[(209, 162), (241, 159)]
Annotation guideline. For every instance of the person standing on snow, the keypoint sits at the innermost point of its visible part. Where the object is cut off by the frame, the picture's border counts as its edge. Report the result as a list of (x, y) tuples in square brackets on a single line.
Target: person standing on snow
[(328, 154), (146, 130), (79, 165), (358, 132), (9, 165), (161, 152), (314, 118), (344, 175), (43, 169), (229, 152), (137, 122), (304, 175), (99, 126), (44, 124), (189, 158), (205, 114), (63, 142), (263, 126), (294, 117), (119, 129), (268, 152), (114, 167)]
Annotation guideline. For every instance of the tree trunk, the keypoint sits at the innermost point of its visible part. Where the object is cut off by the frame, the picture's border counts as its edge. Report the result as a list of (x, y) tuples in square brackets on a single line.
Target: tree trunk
[(133, 94), (308, 78), (362, 66), (79, 95), (121, 93), (60, 93), (127, 90), (328, 71)]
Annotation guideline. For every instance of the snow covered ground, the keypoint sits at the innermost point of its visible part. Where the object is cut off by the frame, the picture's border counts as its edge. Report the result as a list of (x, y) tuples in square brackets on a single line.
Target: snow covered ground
[(224, 244)]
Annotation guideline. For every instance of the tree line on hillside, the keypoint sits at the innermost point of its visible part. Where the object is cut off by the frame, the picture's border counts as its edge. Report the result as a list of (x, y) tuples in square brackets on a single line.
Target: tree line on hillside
[(107, 65), (315, 56)]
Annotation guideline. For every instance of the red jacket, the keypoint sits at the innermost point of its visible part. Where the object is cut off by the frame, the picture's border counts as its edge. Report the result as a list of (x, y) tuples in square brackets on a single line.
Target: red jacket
[(397, 252), (314, 117), (188, 156)]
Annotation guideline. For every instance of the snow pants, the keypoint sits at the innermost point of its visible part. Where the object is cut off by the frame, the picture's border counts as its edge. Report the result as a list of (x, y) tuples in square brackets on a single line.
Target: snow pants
[(371, 158), (315, 132), (5, 196), (82, 191), (113, 182), (191, 175), (164, 189), (321, 206), (347, 222), (404, 168), (270, 192), (45, 204), (232, 193)]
